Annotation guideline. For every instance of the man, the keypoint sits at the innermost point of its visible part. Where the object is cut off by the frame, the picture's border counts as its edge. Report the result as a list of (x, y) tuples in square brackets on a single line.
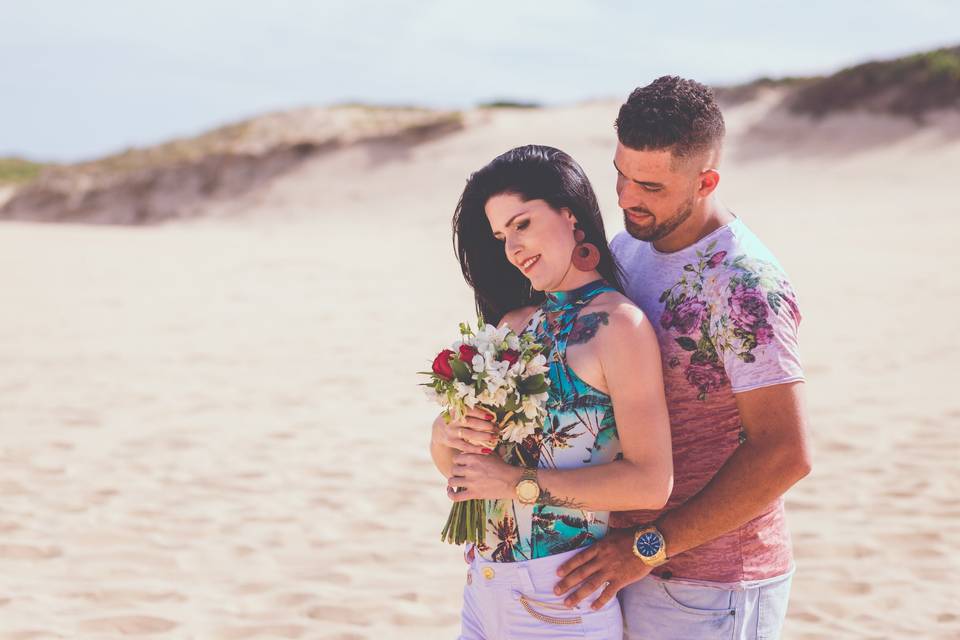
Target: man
[(716, 561)]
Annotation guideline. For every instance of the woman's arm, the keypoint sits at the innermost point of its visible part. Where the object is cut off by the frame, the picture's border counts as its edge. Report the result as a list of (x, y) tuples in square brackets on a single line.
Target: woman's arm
[(643, 479)]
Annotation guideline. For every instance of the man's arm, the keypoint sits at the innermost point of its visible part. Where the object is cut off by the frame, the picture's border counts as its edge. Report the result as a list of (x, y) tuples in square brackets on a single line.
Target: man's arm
[(773, 458)]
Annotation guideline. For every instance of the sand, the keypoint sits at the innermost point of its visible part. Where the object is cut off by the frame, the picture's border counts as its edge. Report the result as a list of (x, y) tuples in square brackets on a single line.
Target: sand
[(212, 430)]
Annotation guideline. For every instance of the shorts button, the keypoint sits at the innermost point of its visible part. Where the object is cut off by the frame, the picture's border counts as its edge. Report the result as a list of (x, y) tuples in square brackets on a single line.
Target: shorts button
[(488, 573)]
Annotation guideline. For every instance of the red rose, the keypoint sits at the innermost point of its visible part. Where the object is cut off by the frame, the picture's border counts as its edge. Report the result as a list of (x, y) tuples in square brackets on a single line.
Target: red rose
[(441, 364), (467, 352), (510, 356)]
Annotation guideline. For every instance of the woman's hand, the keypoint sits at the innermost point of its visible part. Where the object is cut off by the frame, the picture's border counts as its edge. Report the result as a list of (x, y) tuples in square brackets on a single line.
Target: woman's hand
[(482, 476), (475, 433)]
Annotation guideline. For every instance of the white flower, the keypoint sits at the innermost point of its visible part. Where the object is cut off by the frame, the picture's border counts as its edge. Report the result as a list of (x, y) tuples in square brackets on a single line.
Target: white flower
[(531, 407), (493, 397), (477, 363), (495, 383), (537, 365), (516, 431), (497, 368)]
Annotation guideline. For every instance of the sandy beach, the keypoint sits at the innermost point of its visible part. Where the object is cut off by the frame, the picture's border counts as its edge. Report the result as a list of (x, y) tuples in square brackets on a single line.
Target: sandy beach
[(211, 429)]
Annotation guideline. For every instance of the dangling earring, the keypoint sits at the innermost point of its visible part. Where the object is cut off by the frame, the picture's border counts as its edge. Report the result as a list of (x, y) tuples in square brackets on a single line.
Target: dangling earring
[(586, 256)]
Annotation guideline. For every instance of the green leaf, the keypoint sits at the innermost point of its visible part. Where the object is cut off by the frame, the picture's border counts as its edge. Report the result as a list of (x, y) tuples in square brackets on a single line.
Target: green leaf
[(541, 389), (533, 384), (688, 267), (687, 344), (460, 370), (711, 246)]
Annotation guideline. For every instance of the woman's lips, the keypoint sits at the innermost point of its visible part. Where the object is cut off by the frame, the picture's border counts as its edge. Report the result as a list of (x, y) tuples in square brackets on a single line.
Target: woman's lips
[(528, 264)]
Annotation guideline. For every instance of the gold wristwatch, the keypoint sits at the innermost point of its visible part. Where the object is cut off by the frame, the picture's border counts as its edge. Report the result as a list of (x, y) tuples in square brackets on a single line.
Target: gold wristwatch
[(649, 546), (527, 489)]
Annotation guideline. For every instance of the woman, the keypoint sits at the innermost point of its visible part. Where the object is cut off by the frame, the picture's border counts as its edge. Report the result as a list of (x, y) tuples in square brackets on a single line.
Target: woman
[(531, 243)]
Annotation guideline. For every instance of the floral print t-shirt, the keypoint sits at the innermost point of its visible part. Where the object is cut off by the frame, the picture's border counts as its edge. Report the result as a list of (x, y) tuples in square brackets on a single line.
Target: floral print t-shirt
[(726, 318)]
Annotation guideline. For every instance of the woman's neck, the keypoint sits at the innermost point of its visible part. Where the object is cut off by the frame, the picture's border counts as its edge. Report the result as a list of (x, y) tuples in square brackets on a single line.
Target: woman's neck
[(574, 279)]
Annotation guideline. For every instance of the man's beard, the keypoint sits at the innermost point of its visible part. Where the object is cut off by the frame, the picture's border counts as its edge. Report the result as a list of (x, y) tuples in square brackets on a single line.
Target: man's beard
[(659, 230)]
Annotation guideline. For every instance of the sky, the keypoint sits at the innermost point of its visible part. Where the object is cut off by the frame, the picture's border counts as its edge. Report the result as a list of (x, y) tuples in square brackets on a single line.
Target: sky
[(79, 80)]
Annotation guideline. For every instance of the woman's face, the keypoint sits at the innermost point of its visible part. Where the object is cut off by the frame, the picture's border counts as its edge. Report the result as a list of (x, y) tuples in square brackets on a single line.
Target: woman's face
[(537, 239)]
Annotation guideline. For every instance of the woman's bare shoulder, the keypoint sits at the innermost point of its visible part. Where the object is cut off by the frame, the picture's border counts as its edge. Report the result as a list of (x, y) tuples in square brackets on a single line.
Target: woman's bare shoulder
[(623, 321), (615, 303)]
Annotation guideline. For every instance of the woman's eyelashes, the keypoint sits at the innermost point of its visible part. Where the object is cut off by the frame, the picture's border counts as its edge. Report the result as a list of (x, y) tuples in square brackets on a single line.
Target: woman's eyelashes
[(520, 226)]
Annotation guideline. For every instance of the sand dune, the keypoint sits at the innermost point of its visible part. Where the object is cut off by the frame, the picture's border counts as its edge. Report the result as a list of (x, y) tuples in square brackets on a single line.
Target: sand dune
[(211, 429)]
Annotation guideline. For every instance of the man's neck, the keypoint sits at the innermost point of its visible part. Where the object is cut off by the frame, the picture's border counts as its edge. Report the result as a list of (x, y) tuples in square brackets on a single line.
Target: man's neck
[(696, 227)]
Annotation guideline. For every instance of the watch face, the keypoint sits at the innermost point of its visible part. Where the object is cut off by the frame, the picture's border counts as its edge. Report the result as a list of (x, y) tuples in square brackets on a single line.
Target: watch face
[(528, 490), (648, 544)]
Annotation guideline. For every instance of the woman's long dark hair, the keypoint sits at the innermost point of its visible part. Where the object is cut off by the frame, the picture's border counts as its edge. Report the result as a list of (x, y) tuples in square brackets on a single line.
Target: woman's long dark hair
[(532, 172)]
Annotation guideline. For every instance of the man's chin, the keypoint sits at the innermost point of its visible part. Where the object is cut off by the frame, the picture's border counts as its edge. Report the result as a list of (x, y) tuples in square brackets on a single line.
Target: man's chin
[(645, 233)]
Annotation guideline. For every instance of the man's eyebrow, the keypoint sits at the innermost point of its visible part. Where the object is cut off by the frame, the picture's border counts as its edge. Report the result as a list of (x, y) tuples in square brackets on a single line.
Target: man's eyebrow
[(646, 184), (510, 221)]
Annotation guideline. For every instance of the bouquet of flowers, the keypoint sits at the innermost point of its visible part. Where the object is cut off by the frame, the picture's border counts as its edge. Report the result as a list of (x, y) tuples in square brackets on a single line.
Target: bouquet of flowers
[(497, 371)]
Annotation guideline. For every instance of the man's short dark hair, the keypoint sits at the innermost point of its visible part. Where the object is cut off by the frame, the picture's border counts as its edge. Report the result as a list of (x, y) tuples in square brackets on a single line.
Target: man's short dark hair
[(671, 113)]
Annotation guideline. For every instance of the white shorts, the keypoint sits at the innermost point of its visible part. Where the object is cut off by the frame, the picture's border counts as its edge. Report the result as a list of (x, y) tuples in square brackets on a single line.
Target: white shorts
[(515, 600)]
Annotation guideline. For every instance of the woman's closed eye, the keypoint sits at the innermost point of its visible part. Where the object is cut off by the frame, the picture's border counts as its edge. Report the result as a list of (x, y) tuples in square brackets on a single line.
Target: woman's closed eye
[(520, 226)]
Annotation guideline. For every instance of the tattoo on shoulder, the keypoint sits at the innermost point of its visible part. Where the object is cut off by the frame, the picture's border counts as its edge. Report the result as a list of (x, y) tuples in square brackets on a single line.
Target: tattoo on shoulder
[(547, 498), (585, 327)]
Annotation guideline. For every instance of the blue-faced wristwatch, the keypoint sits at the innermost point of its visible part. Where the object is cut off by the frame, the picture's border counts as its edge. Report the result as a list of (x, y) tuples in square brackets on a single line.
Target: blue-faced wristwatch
[(649, 546)]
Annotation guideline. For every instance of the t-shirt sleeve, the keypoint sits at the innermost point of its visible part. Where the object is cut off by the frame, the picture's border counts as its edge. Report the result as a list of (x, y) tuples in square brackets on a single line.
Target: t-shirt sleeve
[(616, 244), (756, 331)]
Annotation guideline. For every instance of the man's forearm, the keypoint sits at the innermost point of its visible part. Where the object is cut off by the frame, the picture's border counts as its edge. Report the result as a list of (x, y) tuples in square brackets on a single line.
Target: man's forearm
[(745, 485)]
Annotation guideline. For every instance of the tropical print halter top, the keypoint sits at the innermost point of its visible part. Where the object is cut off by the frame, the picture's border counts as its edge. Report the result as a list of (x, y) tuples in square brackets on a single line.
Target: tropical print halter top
[(579, 431)]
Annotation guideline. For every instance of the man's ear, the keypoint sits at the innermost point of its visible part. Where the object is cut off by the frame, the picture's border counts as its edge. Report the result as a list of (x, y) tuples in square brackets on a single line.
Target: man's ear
[(709, 180)]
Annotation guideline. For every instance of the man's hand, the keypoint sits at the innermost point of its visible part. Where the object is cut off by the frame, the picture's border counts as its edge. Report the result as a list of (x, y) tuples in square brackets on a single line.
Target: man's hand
[(611, 561)]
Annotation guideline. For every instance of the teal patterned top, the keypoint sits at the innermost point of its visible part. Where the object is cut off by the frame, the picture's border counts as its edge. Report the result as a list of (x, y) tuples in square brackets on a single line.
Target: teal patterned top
[(579, 431)]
